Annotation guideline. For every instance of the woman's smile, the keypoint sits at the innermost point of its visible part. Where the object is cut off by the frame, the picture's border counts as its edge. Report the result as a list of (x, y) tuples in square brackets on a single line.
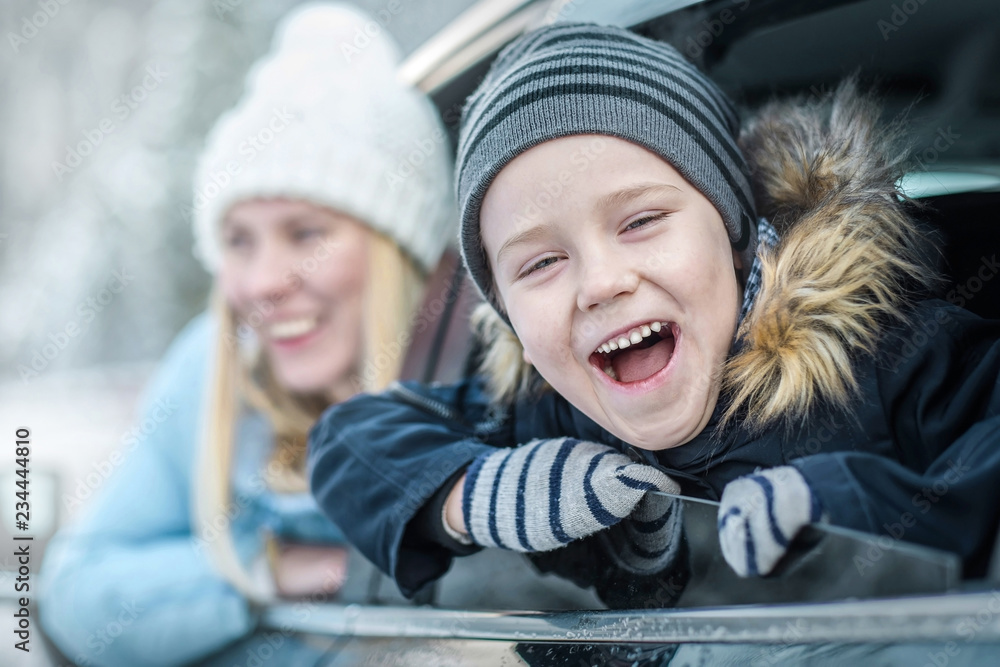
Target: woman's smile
[(312, 329)]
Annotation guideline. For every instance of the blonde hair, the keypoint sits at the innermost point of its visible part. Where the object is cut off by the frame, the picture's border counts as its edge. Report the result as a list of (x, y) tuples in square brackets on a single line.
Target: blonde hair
[(243, 381), (507, 375)]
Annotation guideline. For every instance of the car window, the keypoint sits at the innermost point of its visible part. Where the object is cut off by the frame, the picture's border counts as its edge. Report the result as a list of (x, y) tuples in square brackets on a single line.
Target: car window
[(756, 51), (844, 597)]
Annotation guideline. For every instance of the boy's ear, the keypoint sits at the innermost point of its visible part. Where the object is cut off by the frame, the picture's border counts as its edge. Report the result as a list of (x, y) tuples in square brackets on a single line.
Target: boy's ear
[(737, 261)]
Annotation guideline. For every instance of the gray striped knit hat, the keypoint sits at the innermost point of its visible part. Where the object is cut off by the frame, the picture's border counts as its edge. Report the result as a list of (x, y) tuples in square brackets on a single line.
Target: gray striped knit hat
[(568, 79)]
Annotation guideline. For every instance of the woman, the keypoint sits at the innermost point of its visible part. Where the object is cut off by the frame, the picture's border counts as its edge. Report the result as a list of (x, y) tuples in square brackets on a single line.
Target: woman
[(321, 201)]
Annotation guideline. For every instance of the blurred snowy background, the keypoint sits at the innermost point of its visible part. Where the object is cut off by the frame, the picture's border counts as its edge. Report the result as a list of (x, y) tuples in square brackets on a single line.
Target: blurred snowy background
[(106, 104)]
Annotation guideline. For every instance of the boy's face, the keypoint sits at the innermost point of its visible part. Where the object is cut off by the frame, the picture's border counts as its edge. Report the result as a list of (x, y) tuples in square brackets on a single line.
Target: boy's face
[(594, 241)]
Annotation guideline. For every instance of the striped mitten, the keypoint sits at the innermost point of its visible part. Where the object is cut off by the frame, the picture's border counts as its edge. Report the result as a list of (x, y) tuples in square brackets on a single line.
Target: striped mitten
[(649, 539), (760, 514), (542, 495)]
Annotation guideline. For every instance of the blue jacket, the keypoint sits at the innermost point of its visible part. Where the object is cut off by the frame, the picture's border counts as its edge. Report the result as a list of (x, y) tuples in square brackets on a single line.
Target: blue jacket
[(917, 459), (126, 583)]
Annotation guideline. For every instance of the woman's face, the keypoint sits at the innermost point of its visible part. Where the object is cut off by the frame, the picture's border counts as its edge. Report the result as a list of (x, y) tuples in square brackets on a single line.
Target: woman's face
[(296, 274)]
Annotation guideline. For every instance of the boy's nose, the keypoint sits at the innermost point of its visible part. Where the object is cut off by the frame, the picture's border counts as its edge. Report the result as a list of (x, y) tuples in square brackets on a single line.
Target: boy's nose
[(601, 281)]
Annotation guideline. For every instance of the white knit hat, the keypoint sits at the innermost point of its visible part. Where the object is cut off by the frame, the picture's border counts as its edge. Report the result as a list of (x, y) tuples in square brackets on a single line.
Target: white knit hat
[(324, 119)]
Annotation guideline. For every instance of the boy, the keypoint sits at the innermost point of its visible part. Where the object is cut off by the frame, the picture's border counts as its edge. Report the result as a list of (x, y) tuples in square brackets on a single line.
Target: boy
[(608, 219)]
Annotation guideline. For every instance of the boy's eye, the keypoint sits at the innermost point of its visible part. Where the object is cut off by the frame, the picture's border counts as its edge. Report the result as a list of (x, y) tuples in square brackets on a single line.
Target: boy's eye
[(644, 220), (540, 264)]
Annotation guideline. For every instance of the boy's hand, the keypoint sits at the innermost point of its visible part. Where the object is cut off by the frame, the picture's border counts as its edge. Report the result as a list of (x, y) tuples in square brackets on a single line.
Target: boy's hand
[(760, 514), (542, 495), (649, 539)]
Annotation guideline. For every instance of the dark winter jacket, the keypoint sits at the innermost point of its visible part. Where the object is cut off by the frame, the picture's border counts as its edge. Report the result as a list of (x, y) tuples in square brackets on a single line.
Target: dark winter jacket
[(888, 406), (917, 459)]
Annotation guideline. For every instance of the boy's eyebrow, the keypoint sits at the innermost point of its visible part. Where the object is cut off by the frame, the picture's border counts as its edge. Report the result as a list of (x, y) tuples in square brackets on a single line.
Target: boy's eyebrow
[(531, 234), (606, 202), (626, 195)]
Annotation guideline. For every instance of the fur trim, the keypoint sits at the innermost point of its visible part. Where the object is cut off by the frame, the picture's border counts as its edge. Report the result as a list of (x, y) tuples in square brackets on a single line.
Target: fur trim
[(824, 173), (508, 376)]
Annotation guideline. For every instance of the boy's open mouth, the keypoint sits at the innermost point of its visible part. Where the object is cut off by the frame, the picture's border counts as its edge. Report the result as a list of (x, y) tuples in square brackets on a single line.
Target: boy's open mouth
[(637, 354)]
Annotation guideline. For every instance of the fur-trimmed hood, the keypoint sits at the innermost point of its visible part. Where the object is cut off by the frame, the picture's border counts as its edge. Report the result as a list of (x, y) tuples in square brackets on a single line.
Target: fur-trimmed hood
[(824, 173)]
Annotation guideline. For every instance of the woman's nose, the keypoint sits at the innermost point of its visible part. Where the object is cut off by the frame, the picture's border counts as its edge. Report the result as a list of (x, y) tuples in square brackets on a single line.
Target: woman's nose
[(271, 274), (603, 278)]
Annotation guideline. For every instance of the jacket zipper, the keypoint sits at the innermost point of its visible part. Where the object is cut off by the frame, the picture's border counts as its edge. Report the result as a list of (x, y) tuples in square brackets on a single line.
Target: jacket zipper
[(429, 404), (493, 419)]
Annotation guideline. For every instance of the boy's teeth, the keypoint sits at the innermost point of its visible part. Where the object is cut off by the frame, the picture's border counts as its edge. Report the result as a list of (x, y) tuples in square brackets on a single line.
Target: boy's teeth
[(631, 337), (292, 328)]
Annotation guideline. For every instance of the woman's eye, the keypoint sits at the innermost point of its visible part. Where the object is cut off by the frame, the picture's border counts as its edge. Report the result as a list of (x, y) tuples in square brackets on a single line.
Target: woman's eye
[(306, 234), (540, 264), (237, 241)]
